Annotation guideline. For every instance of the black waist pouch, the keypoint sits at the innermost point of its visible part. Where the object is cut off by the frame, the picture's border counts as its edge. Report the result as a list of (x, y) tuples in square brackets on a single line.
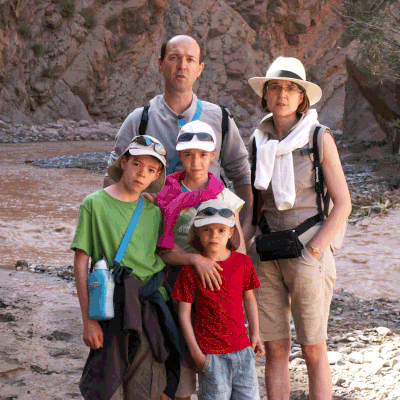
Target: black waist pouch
[(278, 245)]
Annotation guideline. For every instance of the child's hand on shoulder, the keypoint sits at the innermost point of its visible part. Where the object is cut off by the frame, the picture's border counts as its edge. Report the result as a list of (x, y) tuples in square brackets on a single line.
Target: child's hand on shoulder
[(257, 346), (208, 271)]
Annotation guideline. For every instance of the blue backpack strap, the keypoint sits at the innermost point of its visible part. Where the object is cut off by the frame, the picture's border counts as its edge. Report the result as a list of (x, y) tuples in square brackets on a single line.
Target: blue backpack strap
[(175, 159), (129, 232)]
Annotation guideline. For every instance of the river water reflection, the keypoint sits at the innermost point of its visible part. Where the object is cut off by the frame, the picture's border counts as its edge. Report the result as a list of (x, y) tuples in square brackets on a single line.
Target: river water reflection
[(39, 209)]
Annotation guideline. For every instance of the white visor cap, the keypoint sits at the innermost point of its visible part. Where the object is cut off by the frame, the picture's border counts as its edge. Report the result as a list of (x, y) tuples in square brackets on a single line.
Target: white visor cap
[(200, 131)]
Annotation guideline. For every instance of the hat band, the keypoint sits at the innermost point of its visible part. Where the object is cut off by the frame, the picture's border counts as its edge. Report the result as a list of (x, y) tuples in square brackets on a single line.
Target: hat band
[(284, 74)]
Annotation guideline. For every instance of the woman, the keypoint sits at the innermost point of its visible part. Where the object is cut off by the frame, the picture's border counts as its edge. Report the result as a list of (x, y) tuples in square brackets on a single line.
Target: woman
[(301, 286)]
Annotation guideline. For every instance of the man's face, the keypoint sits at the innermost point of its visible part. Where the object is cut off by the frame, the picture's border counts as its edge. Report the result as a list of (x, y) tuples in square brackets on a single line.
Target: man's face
[(181, 65)]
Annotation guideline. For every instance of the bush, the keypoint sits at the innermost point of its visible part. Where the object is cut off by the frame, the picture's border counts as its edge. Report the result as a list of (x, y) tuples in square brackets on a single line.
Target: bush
[(90, 21), (38, 49), (67, 7), (5, 56), (123, 43), (25, 31), (375, 27), (50, 72)]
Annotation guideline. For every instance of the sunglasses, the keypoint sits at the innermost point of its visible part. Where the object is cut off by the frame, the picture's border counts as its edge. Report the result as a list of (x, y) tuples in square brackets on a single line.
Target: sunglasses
[(188, 136), (146, 141), (210, 211)]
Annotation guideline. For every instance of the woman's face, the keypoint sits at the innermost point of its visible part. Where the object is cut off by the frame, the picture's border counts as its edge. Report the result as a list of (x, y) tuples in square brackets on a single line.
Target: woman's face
[(283, 97)]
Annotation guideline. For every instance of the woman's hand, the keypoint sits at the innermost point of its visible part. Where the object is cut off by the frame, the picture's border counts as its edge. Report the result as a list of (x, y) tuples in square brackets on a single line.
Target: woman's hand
[(93, 334), (310, 250)]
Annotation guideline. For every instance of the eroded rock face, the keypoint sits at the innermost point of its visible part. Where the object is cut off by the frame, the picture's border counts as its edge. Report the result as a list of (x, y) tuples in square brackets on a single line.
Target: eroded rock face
[(371, 108), (99, 60)]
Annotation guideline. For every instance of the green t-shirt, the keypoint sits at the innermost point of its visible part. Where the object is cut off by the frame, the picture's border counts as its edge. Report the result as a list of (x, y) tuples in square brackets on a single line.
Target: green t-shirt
[(102, 223)]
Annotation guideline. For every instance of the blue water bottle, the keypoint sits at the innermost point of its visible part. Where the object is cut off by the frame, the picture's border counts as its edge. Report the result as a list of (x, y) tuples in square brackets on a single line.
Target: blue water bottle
[(101, 291)]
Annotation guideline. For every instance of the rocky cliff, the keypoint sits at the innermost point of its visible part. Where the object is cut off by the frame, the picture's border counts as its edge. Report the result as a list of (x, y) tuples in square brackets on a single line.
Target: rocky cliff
[(97, 59)]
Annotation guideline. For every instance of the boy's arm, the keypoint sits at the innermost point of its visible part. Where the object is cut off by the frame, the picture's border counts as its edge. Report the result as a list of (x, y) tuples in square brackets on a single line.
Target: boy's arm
[(250, 305), (92, 332), (206, 269), (186, 324)]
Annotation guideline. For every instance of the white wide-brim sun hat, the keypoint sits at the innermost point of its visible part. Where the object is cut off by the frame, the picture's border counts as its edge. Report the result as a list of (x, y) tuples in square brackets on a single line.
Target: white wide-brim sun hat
[(195, 143), (201, 220), (136, 149), (288, 69)]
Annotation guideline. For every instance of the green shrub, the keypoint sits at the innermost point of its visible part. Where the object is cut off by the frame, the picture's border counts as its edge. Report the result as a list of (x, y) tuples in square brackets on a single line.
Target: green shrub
[(67, 7), (5, 56), (50, 72), (38, 49), (123, 43), (25, 31), (90, 21)]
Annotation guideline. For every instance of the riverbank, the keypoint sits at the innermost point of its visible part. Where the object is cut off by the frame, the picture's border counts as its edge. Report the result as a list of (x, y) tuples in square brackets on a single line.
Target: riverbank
[(42, 354), (372, 171)]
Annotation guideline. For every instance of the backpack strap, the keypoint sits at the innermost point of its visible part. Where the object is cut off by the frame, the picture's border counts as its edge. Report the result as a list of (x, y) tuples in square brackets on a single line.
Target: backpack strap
[(226, 114), (144, 120), (319, 178), (255, 191)]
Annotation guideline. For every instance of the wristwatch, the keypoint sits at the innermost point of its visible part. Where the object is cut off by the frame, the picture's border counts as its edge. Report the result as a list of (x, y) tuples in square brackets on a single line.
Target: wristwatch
[(315, 249)]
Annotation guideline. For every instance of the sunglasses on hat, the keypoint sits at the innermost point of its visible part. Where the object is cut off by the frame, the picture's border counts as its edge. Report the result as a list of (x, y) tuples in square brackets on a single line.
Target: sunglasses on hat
[(210, 211), (188, 136), (146, 141)]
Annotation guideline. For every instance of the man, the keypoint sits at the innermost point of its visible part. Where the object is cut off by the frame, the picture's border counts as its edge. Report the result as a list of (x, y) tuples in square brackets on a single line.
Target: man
[(181, 64)]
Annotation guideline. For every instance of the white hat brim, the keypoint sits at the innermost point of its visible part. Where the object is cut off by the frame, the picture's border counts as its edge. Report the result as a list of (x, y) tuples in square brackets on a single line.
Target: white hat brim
[(313, 91)]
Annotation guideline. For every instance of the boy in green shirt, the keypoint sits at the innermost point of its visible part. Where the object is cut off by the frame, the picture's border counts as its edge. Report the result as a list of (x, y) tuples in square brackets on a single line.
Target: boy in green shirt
[(103, 219)]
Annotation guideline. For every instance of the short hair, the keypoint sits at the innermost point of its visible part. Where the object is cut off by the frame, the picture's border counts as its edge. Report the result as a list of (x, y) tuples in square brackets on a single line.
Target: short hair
[(303, 107), (166, 41)]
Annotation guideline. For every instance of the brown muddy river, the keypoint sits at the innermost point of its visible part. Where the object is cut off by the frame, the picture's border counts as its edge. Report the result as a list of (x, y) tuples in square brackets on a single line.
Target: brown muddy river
[(39, 209)]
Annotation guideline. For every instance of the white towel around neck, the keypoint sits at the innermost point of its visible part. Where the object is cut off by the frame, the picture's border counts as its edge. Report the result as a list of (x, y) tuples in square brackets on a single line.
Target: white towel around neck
[(275, 160)]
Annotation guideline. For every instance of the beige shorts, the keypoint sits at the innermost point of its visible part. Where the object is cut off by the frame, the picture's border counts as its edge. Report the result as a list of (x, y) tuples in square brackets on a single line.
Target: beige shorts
[(302, 287), (187, 382)]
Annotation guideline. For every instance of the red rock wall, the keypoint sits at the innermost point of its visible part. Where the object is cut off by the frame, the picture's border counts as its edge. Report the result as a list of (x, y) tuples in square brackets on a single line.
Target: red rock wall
[(106, 69)]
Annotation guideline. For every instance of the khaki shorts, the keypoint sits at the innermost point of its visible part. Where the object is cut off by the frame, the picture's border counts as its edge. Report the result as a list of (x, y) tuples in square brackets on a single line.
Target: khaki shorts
[(302, 287), (187, 382), (145, 379)]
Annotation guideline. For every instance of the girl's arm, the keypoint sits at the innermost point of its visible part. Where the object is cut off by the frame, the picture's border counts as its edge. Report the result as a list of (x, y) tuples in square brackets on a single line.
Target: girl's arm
[(340, 195), (187, 328), (242, 247), (92, 332), (250, 305)]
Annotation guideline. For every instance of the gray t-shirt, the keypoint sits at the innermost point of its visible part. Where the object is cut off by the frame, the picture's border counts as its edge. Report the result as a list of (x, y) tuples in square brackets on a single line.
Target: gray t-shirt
[(163, 125)]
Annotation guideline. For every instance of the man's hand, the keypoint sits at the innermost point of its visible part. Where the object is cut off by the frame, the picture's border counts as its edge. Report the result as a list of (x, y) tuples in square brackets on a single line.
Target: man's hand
[(257, 346), (93, 334), (207, 270)]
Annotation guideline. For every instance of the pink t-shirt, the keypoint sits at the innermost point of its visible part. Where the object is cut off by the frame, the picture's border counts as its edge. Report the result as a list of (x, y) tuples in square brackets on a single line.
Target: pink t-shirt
[(220, 323)]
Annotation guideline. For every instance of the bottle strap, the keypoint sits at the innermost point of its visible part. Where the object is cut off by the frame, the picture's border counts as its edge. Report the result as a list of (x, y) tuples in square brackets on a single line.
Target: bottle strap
[(129, 232)]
